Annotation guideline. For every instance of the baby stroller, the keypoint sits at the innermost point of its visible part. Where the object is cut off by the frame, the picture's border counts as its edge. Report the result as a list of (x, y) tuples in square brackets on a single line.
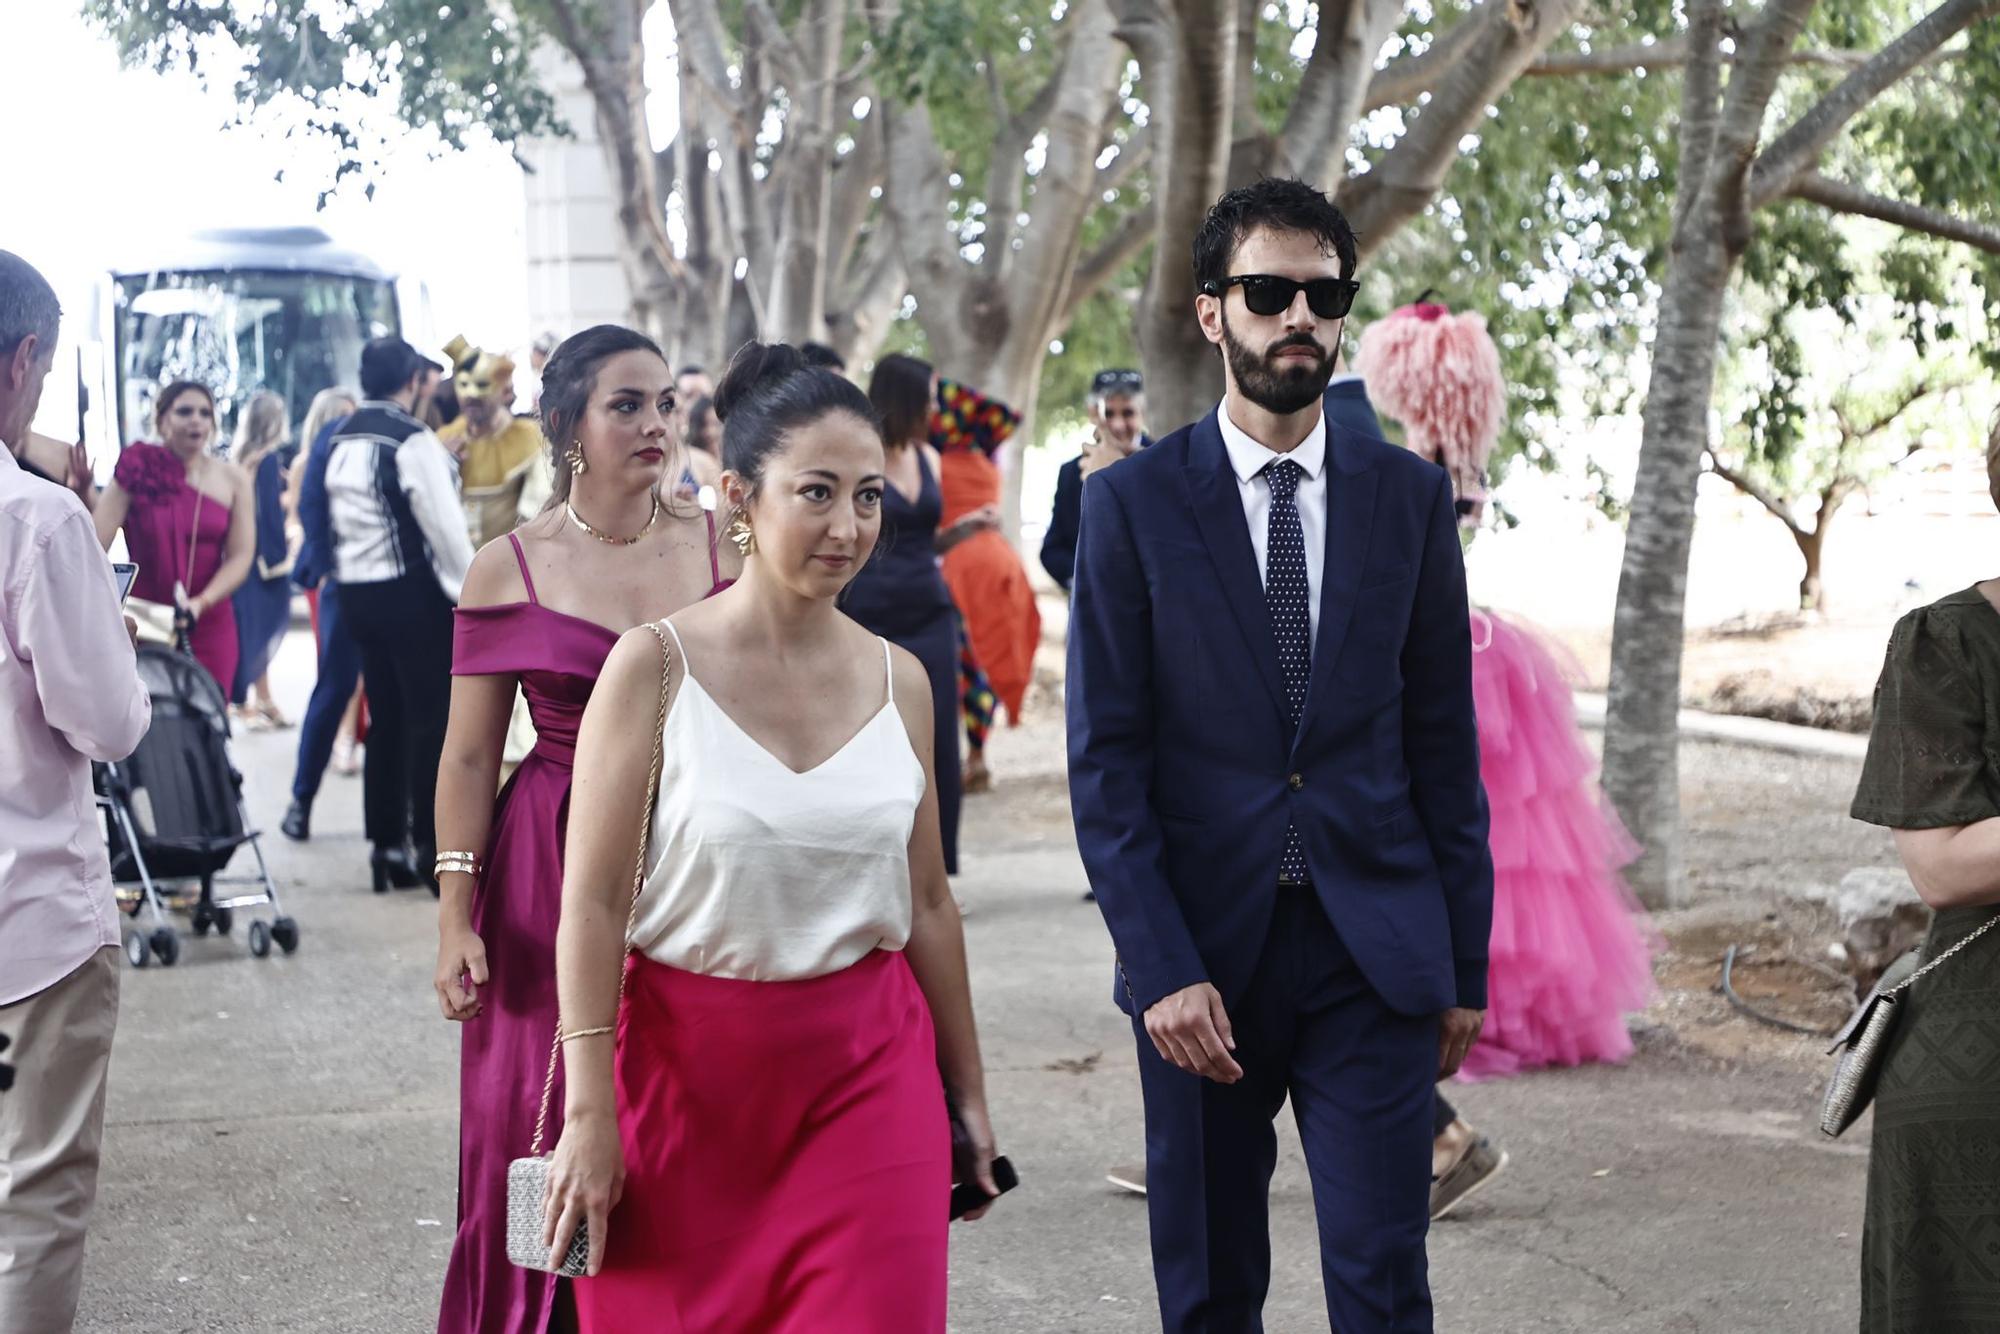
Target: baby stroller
[(174, 810)]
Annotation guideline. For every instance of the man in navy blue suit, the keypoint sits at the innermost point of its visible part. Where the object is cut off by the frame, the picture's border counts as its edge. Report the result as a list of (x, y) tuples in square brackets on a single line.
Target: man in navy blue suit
[(1274, 771)]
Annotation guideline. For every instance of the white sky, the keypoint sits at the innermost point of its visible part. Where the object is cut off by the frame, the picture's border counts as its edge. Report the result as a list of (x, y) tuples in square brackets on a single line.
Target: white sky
[(95, 157)]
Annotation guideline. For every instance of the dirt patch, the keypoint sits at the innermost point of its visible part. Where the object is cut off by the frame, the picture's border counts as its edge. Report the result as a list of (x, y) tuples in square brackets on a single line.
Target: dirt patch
[(1794, 668)]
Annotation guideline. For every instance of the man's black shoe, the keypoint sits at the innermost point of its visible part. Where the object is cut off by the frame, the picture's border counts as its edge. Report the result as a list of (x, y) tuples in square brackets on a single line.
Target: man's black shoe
[(297, 824)]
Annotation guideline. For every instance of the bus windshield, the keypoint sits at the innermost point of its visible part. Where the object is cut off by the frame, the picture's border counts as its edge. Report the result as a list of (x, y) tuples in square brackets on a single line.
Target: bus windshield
[(241, 331)]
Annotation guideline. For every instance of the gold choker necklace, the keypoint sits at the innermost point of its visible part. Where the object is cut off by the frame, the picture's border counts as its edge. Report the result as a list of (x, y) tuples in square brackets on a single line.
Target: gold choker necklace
[(609, 538)]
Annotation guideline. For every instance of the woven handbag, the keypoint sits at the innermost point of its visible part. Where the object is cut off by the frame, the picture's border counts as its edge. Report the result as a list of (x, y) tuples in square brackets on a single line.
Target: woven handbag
[(1863, 1042), (528, 1178)]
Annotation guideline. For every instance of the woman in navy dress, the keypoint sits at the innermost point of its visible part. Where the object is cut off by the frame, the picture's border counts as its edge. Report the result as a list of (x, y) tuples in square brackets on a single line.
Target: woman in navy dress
[(900, 593)]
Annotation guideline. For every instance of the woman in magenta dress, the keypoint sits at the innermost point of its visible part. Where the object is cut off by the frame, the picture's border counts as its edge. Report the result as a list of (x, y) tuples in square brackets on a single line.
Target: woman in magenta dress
[(542, 608), (190, 521), (766, 1149)]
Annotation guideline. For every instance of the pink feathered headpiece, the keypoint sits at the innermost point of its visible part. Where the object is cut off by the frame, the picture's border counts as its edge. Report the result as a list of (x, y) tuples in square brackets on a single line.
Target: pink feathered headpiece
[(1439, 375)]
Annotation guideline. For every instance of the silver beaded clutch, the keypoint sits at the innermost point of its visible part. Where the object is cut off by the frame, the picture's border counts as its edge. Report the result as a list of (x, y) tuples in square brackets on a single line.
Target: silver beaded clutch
[(1860, 1047), (1863, 1042), (527, 1190)]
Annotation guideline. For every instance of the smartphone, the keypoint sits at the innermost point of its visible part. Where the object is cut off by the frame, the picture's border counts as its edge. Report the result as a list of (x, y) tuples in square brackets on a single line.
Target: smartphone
[(969, 1195), (125, 572)]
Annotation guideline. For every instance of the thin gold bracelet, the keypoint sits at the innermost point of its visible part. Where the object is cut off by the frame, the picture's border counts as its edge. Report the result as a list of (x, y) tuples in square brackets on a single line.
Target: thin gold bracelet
[(590, 1032)]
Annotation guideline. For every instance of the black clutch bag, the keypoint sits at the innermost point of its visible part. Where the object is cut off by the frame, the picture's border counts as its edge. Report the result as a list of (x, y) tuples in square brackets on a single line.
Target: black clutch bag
[(966, 1192)]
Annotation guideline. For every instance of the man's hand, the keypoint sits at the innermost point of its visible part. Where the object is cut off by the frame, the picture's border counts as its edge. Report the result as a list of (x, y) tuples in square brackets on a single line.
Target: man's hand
[(1457, 1031), (1191, 1030)]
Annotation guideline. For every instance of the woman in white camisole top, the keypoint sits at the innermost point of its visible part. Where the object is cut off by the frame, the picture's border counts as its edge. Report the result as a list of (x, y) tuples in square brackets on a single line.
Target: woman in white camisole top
[(765, 1145)]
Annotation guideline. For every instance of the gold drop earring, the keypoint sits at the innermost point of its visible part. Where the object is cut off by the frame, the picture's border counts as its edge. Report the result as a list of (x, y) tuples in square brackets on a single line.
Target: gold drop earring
[(578, 465), (741, 534)]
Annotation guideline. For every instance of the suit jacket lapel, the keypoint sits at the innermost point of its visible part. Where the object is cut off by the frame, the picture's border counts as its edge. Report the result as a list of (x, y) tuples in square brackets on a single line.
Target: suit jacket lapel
[(1350, 522), (1218, 510)]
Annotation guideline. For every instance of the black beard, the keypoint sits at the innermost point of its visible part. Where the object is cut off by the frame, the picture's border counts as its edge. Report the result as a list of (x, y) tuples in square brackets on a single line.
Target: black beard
[(1280, 390)]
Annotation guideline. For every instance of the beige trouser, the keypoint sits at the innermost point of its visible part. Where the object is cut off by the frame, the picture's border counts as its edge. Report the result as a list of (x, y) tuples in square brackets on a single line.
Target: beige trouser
[(51, 1123)]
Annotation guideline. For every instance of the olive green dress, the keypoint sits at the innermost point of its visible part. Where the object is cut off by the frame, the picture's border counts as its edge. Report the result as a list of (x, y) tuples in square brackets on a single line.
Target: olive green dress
[(1930, 1251)]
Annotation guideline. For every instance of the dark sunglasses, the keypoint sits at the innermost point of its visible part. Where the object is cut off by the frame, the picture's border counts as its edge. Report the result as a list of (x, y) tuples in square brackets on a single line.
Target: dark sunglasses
[(1267, 294), (1117, 382)]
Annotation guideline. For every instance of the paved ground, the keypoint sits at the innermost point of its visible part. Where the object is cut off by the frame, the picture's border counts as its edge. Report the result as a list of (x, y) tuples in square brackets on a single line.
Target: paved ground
[(280, 1154)]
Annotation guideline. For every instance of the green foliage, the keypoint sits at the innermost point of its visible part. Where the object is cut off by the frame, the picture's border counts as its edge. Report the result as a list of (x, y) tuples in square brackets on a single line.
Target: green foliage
[(1553, 225), (448, 65)]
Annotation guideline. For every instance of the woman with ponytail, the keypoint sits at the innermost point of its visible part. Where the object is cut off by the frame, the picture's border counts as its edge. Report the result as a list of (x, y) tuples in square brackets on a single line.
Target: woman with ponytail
[(541, 610)]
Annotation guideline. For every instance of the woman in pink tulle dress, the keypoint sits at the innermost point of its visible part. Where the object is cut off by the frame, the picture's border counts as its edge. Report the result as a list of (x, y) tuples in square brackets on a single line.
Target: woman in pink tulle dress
[(1571, 950)]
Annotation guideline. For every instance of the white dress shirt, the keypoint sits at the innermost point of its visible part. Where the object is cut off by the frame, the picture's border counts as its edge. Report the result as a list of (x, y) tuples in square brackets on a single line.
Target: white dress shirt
[(1247, 459), (69, 694)]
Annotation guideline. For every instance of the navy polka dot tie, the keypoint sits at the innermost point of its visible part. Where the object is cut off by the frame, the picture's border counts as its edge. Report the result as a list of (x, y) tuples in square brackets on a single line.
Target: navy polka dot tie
[(1288, 598)]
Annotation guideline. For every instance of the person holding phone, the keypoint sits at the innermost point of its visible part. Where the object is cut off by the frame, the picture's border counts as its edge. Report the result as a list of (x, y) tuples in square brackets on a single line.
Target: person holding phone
[(1117, 430), (766, 1145), (69, 694)]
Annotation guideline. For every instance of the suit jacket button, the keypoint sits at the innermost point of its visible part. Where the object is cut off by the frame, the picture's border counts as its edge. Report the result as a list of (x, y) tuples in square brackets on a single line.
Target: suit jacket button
[(1296, 781)]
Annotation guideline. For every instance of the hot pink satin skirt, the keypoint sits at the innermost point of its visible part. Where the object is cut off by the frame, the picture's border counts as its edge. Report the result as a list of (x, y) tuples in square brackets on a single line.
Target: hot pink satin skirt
[(787, 1156)]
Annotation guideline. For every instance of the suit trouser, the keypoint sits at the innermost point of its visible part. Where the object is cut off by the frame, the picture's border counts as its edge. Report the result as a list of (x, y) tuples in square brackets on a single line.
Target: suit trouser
[(339, 673), (51, 1124), (403, 627), (1361, 1079)]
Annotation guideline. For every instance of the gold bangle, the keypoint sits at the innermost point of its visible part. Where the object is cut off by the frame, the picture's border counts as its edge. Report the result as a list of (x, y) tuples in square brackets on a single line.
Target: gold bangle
[(464, 862), (590, 1032)]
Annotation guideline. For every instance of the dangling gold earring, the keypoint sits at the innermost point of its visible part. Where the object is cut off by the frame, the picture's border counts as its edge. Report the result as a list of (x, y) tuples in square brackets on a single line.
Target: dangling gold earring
[(740, 533), (578, 465)]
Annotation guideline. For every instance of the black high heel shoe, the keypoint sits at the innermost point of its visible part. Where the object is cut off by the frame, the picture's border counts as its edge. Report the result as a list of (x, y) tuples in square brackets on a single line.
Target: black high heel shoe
[(392, 868)]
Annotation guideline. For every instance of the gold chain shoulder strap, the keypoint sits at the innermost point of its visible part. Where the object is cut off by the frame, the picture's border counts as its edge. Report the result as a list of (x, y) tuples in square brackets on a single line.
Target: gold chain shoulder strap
[(638, 879)]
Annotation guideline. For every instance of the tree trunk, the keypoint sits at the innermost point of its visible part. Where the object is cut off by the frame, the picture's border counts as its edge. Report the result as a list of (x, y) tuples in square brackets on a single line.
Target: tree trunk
[(1812, 591), (1188, 50), (1642, 735)]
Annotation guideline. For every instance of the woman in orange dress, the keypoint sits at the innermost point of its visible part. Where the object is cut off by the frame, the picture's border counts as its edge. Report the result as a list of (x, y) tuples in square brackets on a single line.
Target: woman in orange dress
[(1002, 624)]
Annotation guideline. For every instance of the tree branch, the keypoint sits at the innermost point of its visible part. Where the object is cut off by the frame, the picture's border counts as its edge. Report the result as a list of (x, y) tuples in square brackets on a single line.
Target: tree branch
[(1669, 54), (1762, 51), (1134, 153), (1750, 488), (1799, 147), (1312, 144), (1406, 78), (1402, 182), (1701, 105), (1117, 250), (1007, 172), (1844, 198)]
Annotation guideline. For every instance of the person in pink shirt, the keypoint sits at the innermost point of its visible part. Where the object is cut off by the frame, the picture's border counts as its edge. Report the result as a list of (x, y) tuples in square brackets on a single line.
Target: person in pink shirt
[(69, 694)]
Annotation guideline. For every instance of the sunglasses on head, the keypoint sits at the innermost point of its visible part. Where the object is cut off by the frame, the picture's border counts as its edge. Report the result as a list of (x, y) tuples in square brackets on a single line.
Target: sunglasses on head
[(1267, 294), (1117, 382)]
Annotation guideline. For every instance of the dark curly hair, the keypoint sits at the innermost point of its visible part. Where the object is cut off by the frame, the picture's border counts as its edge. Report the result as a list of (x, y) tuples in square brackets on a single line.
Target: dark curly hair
[(1281, 204)]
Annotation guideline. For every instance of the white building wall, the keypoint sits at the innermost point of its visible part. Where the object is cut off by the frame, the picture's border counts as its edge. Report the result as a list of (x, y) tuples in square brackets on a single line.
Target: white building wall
[(575, 279)]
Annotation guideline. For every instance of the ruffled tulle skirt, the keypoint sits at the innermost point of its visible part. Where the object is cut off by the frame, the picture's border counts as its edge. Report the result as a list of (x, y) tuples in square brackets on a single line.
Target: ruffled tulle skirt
[(1571, 949)]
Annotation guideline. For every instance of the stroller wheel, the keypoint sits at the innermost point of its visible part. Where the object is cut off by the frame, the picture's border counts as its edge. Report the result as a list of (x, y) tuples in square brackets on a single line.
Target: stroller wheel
[(199, 920), (260, 939), (286, 932), (167, 945), (224, 919), (136, 949)]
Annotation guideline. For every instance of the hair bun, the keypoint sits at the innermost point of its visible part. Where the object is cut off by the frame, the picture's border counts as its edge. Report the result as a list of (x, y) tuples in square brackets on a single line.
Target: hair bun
[(756, 366)]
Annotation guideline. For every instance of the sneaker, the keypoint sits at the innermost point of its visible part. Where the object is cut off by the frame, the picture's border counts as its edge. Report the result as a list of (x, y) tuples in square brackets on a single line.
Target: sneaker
[(1481, 1163), (1128, 1178)]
